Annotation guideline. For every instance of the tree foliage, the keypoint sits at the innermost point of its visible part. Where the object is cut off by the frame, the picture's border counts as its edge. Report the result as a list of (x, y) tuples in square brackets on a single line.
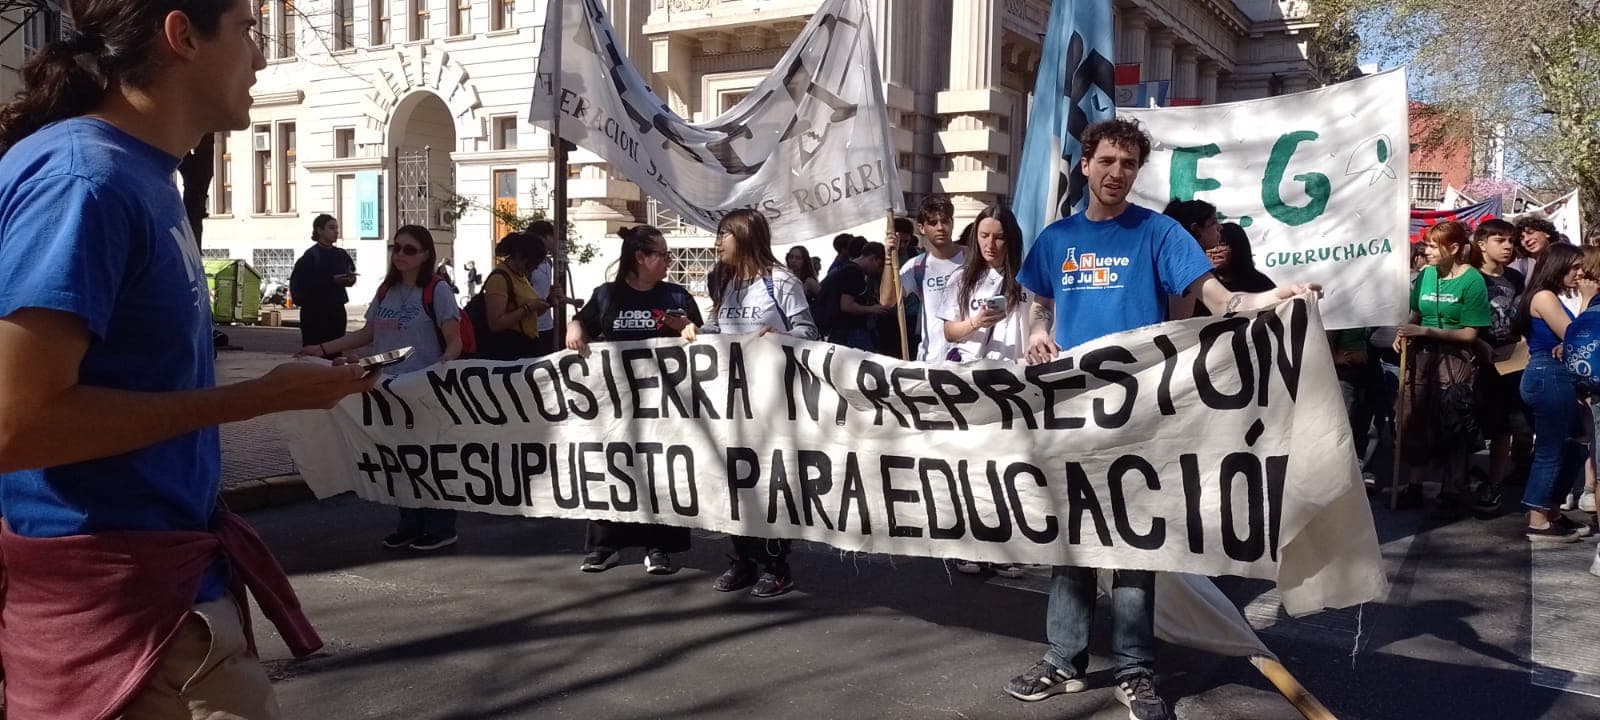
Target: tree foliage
[(1529, 67)]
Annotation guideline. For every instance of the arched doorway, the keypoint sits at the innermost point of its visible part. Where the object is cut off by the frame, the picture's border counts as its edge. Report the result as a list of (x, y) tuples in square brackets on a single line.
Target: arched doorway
[(422, 136)]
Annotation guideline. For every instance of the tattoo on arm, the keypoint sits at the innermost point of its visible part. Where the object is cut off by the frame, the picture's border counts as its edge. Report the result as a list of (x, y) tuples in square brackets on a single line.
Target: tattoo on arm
[(1233, 303), (1044, 315)]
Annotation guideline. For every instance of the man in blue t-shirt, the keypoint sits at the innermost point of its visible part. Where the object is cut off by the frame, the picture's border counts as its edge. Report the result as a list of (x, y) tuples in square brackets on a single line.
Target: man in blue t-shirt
[(108, 401), (1103, 271)]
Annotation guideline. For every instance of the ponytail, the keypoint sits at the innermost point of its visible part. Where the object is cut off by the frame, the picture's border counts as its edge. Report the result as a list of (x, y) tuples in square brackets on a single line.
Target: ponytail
[(62, 80)]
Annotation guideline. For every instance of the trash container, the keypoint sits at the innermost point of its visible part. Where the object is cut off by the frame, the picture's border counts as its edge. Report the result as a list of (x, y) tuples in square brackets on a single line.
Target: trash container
[(235, 291)]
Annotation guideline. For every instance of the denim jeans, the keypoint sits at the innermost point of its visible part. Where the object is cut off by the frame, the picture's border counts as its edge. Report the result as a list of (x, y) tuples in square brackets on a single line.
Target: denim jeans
[(858, 338), (1071, 613), (416, 521), (1552, 403)]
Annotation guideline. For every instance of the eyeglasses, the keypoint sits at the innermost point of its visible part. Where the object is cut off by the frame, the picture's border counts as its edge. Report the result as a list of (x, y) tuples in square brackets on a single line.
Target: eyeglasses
[(663, 253), (407, 250)]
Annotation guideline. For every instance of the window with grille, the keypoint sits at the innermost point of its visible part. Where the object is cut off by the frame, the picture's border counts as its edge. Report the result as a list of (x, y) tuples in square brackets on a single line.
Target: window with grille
[(1427, 188), (275, 263), (216, 254), (344, 24), (380, 23), (461, 18), (502, 15), (690, 266), (42, 27)]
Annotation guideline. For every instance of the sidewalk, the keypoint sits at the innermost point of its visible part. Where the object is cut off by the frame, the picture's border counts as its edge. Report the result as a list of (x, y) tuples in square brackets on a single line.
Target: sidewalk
[(356, 312), (257, 471)]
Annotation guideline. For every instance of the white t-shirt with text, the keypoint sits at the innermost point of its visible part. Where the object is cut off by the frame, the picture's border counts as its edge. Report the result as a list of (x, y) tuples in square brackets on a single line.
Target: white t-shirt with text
[(937, 276), (749, 307), (1007, 340)]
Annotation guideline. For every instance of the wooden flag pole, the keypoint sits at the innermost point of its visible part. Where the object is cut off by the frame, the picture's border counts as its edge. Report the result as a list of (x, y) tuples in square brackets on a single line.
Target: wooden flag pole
[(1400, 412), (1292, 690), (892, 266)]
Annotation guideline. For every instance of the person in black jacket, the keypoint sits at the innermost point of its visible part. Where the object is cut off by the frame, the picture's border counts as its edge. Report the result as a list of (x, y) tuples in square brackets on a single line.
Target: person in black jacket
[(318, 284)]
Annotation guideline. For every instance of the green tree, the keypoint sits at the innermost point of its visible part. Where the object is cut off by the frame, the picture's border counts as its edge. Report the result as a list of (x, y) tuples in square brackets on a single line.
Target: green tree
[(1530, 67)]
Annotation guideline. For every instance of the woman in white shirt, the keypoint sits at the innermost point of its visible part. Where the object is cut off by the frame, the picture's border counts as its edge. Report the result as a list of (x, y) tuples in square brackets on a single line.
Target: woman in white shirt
[(986, 315), (752, 293)]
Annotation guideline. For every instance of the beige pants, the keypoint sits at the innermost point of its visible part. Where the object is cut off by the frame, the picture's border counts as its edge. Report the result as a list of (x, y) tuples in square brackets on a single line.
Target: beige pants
[(206, 673)]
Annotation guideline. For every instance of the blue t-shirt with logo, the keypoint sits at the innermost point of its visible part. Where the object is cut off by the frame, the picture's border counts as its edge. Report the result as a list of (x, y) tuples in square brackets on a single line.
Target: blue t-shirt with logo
[(1113, 275), (91, 224)]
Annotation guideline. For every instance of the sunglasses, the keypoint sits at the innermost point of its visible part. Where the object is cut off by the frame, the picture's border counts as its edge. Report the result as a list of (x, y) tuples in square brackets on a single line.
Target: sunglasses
[(407, 250)]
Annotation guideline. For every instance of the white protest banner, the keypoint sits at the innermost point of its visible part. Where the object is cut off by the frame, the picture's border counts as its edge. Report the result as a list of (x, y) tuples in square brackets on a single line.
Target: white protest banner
[(1211, 446), (1564, 213), (1319, 180), (809, 146)]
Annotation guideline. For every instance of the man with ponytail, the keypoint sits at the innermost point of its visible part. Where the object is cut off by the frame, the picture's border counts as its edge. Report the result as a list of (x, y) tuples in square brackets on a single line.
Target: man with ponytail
[(123, 577)]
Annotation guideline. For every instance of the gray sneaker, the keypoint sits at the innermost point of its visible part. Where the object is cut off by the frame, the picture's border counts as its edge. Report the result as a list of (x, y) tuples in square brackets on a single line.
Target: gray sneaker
[(1043, 680), (1139, 694)]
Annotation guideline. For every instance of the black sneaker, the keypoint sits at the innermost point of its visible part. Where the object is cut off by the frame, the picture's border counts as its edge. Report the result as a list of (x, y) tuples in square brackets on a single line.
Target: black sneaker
[(739, 575), (1043, 680), (1553, 533), (1488, 498), (1582, 530), (601, 561), (658, 562), (1139, 694), (430, 541), (772, 583), (398, 540)]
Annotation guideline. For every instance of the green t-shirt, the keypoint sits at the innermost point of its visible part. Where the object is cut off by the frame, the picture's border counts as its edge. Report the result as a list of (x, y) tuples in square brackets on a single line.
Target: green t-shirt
[(1451, 304)]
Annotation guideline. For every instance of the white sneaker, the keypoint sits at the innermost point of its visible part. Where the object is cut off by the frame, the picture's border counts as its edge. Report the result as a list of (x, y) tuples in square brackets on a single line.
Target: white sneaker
[(1571, 503), (1008, 570), (1586, 501), (1594, 567), (968, 567)]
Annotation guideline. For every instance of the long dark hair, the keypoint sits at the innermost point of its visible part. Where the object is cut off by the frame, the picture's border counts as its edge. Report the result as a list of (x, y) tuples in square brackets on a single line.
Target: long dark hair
[(808, 270), (114, 42), (1550, 274), (318, 224), (635, 240), (752, 239), (425, 271), (973, 268), (1241, 258)]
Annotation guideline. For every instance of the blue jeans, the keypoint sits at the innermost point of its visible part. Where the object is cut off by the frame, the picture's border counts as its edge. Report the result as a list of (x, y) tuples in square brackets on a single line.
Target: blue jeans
[(1071, 613), (858, 338), (1552, 403), (416, 521)]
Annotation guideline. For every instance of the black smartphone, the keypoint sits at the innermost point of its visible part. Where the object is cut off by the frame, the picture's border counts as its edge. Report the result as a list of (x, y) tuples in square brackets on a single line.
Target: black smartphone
[(678, 312), (383, 360)]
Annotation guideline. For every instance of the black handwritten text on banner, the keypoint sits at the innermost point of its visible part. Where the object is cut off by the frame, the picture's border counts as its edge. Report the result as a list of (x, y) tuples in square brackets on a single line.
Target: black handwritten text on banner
[(1213, 446)]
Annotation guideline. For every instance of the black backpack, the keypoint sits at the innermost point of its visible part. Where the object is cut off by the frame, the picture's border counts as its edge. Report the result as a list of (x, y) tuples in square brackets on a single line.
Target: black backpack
[(491, 345)]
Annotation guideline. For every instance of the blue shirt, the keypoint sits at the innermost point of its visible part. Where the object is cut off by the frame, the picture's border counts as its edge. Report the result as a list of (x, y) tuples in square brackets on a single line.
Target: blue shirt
[(91, 224), (1114, 275)]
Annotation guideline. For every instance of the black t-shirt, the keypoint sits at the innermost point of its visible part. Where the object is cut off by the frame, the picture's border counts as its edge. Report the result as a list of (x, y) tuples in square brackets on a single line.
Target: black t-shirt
[(1503, 290), (849, 280), (311, 283), (617, 312)]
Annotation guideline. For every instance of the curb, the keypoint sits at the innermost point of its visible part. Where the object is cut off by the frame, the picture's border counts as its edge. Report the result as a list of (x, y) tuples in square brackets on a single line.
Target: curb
[(276, 491)]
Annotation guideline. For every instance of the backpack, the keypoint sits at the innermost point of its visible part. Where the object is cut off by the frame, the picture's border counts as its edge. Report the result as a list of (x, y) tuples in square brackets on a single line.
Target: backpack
[(491, 345), (469, 344)]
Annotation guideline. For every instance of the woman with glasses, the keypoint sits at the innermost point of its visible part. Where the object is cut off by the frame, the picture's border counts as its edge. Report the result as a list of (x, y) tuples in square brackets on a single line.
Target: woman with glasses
[(406, 313), (638, 305), (510, 303), (752, 293)]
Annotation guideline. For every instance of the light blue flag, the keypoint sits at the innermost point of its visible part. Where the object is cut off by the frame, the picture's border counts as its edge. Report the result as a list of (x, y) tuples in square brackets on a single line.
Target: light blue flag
[(1076, 88)]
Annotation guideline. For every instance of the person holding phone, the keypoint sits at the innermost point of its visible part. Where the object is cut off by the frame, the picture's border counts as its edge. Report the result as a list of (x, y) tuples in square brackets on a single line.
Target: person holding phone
[(638, 305), (985, 314), (319, 284), (413, 308)]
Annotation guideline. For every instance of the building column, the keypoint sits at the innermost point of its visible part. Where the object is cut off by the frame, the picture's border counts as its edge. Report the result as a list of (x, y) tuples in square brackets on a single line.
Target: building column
[(1185, 75), (970, 110), (1158, 65), (1133, 41), (1208, 82)]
